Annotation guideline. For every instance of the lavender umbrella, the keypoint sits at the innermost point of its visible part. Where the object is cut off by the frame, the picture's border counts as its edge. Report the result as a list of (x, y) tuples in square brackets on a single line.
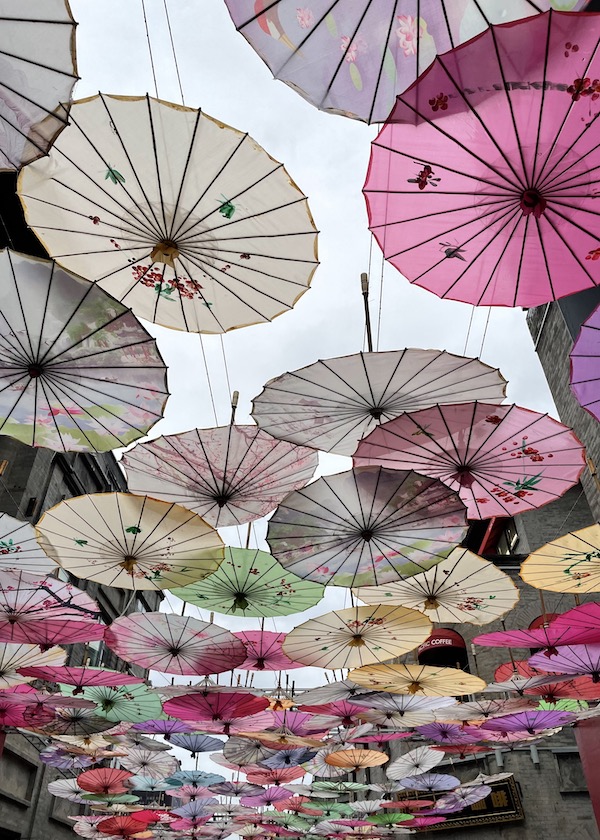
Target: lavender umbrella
[(430, 782), (289, 758), (55, 757), (236, 789), (571, 659), (267, 797), (585, 365), (196, 742), (448, 733), (529, 722), (163, 727), (462, 797), (197, 808)]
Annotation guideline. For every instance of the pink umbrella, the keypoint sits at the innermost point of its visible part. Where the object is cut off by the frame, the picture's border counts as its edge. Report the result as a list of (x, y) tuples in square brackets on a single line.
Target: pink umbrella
[(497, 457), (423, 822), (268, 797), (297, 805), (232, 726), (585, 361), (279, 776), (342, 711), (80, 677), (468, 191), (584, 619), (571, 659), (264, 651), (215, 707), (297, 723), (541, 637), (174, 644), (49, 632), (579, 688)]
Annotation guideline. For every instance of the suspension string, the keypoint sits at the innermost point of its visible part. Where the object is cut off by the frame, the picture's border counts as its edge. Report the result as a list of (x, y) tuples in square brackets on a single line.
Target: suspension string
[(210, 389), (150, 48), (174, 52), (225, 364), (11, 497), (485, 330), (380, 297), (469, 331)]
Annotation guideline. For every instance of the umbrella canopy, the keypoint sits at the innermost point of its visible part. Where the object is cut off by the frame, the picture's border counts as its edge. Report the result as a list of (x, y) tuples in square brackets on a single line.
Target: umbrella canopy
[(334, 403), (148, 763), (19, 548), (402, 710), (462, 798), (186, 220), (268, 797), (530, 722), (468, 192), (196, 743), (365, 527), (430, 782), (174, 644), (250, 582), (215, 707), (127, 541), (264, 651), (540, 637), (26, 598), (497, 457), (77, 678), (357, 636), (49, 632), (77, 369), (131, 703), (570, 563), (518, 675), (104, 780), (79, 723), (38, 72), (288, 758), (418, 679), (229, 475), (66, 789), (353, 59), (449, 733), (244, 751), (570, 659), (354, 760), (338, 690), (419, 760), (123, 827), (235, 789), (161, 727), (583, 620), (585, 380), (463, 588), (15, 657)]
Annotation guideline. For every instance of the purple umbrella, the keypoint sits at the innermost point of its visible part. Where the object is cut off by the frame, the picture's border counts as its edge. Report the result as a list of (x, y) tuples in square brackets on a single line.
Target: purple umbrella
[(461, 798), (163, 727), (430, 782), (267, 797), (197, 808), (571, 659), (289, 758), (236, 789), (448, 733), (530, 722), (55, 757), (196, 743), (585, 363)]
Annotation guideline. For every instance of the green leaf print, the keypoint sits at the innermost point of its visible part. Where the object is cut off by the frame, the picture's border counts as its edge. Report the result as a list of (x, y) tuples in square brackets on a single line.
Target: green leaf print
[(114, 175)]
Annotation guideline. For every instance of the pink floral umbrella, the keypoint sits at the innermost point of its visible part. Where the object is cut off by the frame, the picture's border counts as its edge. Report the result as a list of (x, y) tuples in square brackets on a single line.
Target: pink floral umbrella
[(49, 632), (469, 193), (462, 798), (347, 714), (497, 457), (541, 637), (228, 475), (174, 644), (80, 677), (571, 659), (264, 651), (215, 707), (585, 378)]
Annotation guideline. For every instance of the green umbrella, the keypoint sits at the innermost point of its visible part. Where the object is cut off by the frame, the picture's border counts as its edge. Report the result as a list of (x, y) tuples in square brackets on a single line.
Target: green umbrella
[(564, 705), (251, 583), (111, 798), (389, 819), (330, 809), (132, 703), (338, 787)]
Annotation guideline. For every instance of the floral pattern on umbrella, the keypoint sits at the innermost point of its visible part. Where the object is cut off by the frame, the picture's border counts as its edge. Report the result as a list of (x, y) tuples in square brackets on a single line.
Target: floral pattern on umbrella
[(570, 563), (19, 548)]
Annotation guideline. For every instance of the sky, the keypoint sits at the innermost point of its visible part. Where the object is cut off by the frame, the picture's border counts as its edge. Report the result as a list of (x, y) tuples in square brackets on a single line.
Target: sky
[(327, 156)]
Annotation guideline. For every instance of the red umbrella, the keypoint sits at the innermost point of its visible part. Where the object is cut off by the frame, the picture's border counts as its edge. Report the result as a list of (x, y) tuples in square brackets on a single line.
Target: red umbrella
[(123, 827), (104, 780), (580, 688)]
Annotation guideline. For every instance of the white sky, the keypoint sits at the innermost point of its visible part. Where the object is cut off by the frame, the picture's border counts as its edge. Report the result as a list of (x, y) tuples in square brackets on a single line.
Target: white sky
[(327, 156)]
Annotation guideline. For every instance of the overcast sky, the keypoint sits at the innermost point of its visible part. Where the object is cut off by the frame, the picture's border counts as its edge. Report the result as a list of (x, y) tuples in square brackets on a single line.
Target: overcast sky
[(327, 156)]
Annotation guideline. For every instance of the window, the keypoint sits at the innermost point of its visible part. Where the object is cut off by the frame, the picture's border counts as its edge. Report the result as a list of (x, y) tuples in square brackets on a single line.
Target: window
[(31, 506), (509, 539)]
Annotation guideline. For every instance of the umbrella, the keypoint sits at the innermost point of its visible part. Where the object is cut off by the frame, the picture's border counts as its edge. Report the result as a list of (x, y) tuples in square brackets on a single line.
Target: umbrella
[(338, 690), (229, 475), (49, 632), (449, 733), (131, 703), (123, 827), (266, 776), (497, 457), (20, 550), (244, 751), (27, 597), (547, 637), (127, 541), (353, 59), (15, 657), (585, 381), (357, 636), (104, 780), (413, 763), (420, 821), (332, 404), (418, 679), (346, 713), (354, 760), (367, 806), (194, 777), (462, 798), (148, 763), (365, 527), (161, 727), (570, 563), (571, 659), (251, 583), (530, 722), (579, 689), (146, 783), (430, 782), (77, 369), (266, 798), (462, 588), (518, 675), (196, 743), (66, 789), (264, 651), (482, 709), (468, 192), (186, 220), (404, 710), (197, 808), (78, 677), (77, 722), (54, 756), (235, 788), (288, 758), (215, 707), (391, 819), (174, 644)]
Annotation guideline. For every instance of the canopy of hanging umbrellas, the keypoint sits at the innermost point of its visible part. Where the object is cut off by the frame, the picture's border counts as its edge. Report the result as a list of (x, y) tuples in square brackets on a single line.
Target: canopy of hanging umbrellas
[(480, 188)]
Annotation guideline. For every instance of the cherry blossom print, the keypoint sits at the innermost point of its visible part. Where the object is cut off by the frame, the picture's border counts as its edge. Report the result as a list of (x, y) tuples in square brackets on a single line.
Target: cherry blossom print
[(305, 18), (439, 102), (354, 48), (593, 255), (408, 34)]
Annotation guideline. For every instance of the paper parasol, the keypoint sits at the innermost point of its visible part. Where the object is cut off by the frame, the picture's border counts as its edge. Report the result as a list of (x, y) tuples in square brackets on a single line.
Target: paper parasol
[(196, 743), (130, 703), (20, 550), (570, 563), (571, 659), (186, 220), (104, 780), (354, 760), (585, 379), (75, 678), (402, 710), (468, 192), (174, 644), (250, 582), (338, 690), (365, 527), (463, 588), (215, 707), (264, 651), (430, 782), (418, 679), (14, 657), (413, 763), (334, 403), (128, 541), (156, 765), (509, 456), (531, 722), (77, 369)]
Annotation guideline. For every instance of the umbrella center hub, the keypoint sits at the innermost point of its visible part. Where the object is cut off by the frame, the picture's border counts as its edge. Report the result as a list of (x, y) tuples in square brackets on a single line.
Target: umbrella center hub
[(174, 651), (222, 499), (35, 370), (367, 534), (376, 413), (240, 602), (414, 687), (431, 603), (165, 251), (356, 641), (129, 563), (532, 203)]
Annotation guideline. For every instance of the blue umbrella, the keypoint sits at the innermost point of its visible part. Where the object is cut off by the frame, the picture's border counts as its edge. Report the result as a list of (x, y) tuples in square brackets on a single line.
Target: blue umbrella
[(197, 808), (194, 777), (195, 743), (288, 758)]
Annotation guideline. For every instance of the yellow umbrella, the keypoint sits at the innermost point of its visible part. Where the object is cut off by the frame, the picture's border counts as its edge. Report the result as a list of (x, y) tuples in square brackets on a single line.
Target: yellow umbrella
[(417, 679), (131, 542), (355, 760), (570, 563), (462, 588), (357, 636)]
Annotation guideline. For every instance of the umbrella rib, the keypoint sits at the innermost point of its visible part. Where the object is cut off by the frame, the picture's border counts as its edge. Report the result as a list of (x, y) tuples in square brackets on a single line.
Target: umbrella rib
[(203, 261), (186, 168), (47, 356), (566, 244), (157, 165)]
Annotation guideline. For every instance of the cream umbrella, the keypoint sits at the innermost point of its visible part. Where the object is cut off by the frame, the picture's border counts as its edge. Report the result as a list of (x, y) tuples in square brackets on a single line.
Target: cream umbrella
[(463, 588), (127, 541), (357, 636), (417, 679), (19, 548), (184, 219), (15, 657), (419, 760), (570, 563)]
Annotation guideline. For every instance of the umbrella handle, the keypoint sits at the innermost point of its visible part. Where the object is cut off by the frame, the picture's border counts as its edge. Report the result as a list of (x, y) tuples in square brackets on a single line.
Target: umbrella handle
[(364, 282)]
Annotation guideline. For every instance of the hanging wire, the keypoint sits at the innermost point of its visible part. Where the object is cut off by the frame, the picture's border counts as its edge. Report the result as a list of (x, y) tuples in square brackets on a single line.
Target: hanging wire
[(150, 48), (380, 297), (485, 330), (210, 388), (468, 331), (174, 52)]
